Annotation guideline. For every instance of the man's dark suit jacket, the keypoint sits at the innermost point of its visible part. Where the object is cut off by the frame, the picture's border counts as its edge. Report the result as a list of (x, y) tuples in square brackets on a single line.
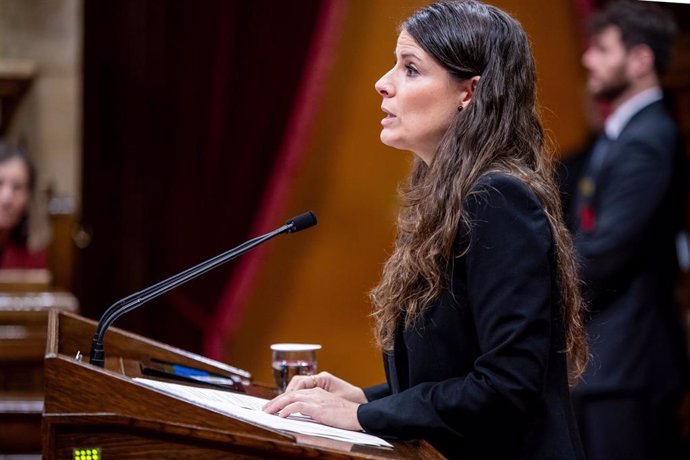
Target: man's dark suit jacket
[(628, 261), (484, 374)]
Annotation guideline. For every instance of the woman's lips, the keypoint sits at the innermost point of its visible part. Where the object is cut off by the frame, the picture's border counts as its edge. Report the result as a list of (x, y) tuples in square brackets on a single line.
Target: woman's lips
[(388, 119)]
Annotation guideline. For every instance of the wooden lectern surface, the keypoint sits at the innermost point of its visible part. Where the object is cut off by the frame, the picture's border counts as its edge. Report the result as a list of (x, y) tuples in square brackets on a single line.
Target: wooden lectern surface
[(90, 407)]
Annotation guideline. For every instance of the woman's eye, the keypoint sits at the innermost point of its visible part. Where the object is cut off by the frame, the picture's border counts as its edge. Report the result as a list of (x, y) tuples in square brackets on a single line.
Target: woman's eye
[(410, 70)]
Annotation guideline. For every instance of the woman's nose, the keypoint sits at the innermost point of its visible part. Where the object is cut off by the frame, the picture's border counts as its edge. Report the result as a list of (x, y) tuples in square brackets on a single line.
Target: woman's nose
[(383, 86)]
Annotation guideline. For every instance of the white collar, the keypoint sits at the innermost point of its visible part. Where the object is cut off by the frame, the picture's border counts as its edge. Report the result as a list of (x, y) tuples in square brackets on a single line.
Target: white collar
[(618, 119)]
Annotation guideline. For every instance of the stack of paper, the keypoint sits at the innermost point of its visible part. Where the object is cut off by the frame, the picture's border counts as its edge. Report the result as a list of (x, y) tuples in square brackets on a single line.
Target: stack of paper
[(248, 408)]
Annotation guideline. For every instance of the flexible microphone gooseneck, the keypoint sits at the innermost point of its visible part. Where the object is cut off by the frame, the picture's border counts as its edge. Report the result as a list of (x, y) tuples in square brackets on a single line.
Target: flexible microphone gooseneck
[(133, 301)]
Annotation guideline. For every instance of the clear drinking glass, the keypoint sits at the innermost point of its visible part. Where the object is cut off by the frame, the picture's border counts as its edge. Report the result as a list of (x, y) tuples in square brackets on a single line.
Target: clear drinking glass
[(290, 359)]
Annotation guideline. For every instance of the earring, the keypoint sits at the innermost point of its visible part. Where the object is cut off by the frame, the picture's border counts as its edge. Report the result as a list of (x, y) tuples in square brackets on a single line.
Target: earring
[(460, 108)]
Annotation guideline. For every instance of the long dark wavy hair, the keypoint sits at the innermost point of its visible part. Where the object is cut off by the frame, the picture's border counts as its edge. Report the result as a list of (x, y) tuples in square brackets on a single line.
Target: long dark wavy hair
[(500, 130)]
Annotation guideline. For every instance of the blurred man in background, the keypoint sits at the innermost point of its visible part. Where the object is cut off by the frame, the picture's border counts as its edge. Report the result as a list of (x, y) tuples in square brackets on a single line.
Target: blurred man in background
[(628, 208)]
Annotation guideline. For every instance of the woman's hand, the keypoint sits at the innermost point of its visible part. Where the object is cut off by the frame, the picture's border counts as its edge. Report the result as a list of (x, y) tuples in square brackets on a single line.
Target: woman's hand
[(319, 404), (330, 383), (324, 397)]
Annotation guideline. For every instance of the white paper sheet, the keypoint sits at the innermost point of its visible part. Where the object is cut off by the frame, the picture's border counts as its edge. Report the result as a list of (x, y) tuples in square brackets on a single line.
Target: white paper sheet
[(248, 408)]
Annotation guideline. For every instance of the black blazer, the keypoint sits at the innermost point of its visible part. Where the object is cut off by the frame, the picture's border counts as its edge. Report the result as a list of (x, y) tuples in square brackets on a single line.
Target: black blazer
[(484, 374), (628, 261)]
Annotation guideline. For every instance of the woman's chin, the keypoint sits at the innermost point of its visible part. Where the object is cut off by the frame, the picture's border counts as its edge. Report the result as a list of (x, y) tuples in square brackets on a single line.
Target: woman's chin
[(390, 141)]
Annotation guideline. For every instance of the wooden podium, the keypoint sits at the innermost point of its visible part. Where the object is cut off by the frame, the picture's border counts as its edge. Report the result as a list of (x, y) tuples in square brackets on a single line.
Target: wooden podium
[(88, 407)]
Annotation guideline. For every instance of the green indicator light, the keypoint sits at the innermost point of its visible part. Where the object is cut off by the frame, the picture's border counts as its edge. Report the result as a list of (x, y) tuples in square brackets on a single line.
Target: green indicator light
[(86, 454)]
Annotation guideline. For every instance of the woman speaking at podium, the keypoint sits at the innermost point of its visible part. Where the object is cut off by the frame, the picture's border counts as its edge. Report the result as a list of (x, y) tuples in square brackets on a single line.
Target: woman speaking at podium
[(478, 309)]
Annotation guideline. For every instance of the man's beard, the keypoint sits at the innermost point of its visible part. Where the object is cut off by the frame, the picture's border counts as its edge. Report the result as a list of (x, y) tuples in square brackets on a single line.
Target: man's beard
[(610, 90)]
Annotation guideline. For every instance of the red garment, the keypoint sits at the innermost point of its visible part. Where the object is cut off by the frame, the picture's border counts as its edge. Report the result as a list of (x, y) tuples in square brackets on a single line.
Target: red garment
[(14, 256)]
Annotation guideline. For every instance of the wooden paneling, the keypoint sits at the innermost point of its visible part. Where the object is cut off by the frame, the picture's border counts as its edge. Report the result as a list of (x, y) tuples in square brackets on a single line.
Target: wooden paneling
[(23, 333)]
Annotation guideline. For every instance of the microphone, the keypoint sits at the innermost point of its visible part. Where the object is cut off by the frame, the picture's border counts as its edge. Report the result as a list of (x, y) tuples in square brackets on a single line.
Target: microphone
[(135, 300)]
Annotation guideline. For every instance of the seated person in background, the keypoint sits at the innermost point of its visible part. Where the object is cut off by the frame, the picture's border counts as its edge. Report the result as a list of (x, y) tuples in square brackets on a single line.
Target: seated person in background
[(17, 180)]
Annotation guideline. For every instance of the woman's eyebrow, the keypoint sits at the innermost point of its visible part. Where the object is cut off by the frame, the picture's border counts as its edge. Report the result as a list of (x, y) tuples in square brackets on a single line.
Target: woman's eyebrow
[(409, 54)]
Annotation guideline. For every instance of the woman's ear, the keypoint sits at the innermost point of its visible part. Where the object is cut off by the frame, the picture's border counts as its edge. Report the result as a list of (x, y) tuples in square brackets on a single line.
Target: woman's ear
[(467, 88)]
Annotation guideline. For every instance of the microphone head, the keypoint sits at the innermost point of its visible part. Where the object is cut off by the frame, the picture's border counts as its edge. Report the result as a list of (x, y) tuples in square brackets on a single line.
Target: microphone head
[(301, 222)]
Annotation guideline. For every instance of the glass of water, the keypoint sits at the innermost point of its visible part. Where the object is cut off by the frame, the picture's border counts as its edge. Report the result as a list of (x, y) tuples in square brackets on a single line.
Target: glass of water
[(290, 359)]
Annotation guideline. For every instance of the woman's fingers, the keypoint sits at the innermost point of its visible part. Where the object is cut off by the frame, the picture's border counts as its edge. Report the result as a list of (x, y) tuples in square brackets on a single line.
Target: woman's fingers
[(279, 402), (294, 408), (301, 382), (322, 406)]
